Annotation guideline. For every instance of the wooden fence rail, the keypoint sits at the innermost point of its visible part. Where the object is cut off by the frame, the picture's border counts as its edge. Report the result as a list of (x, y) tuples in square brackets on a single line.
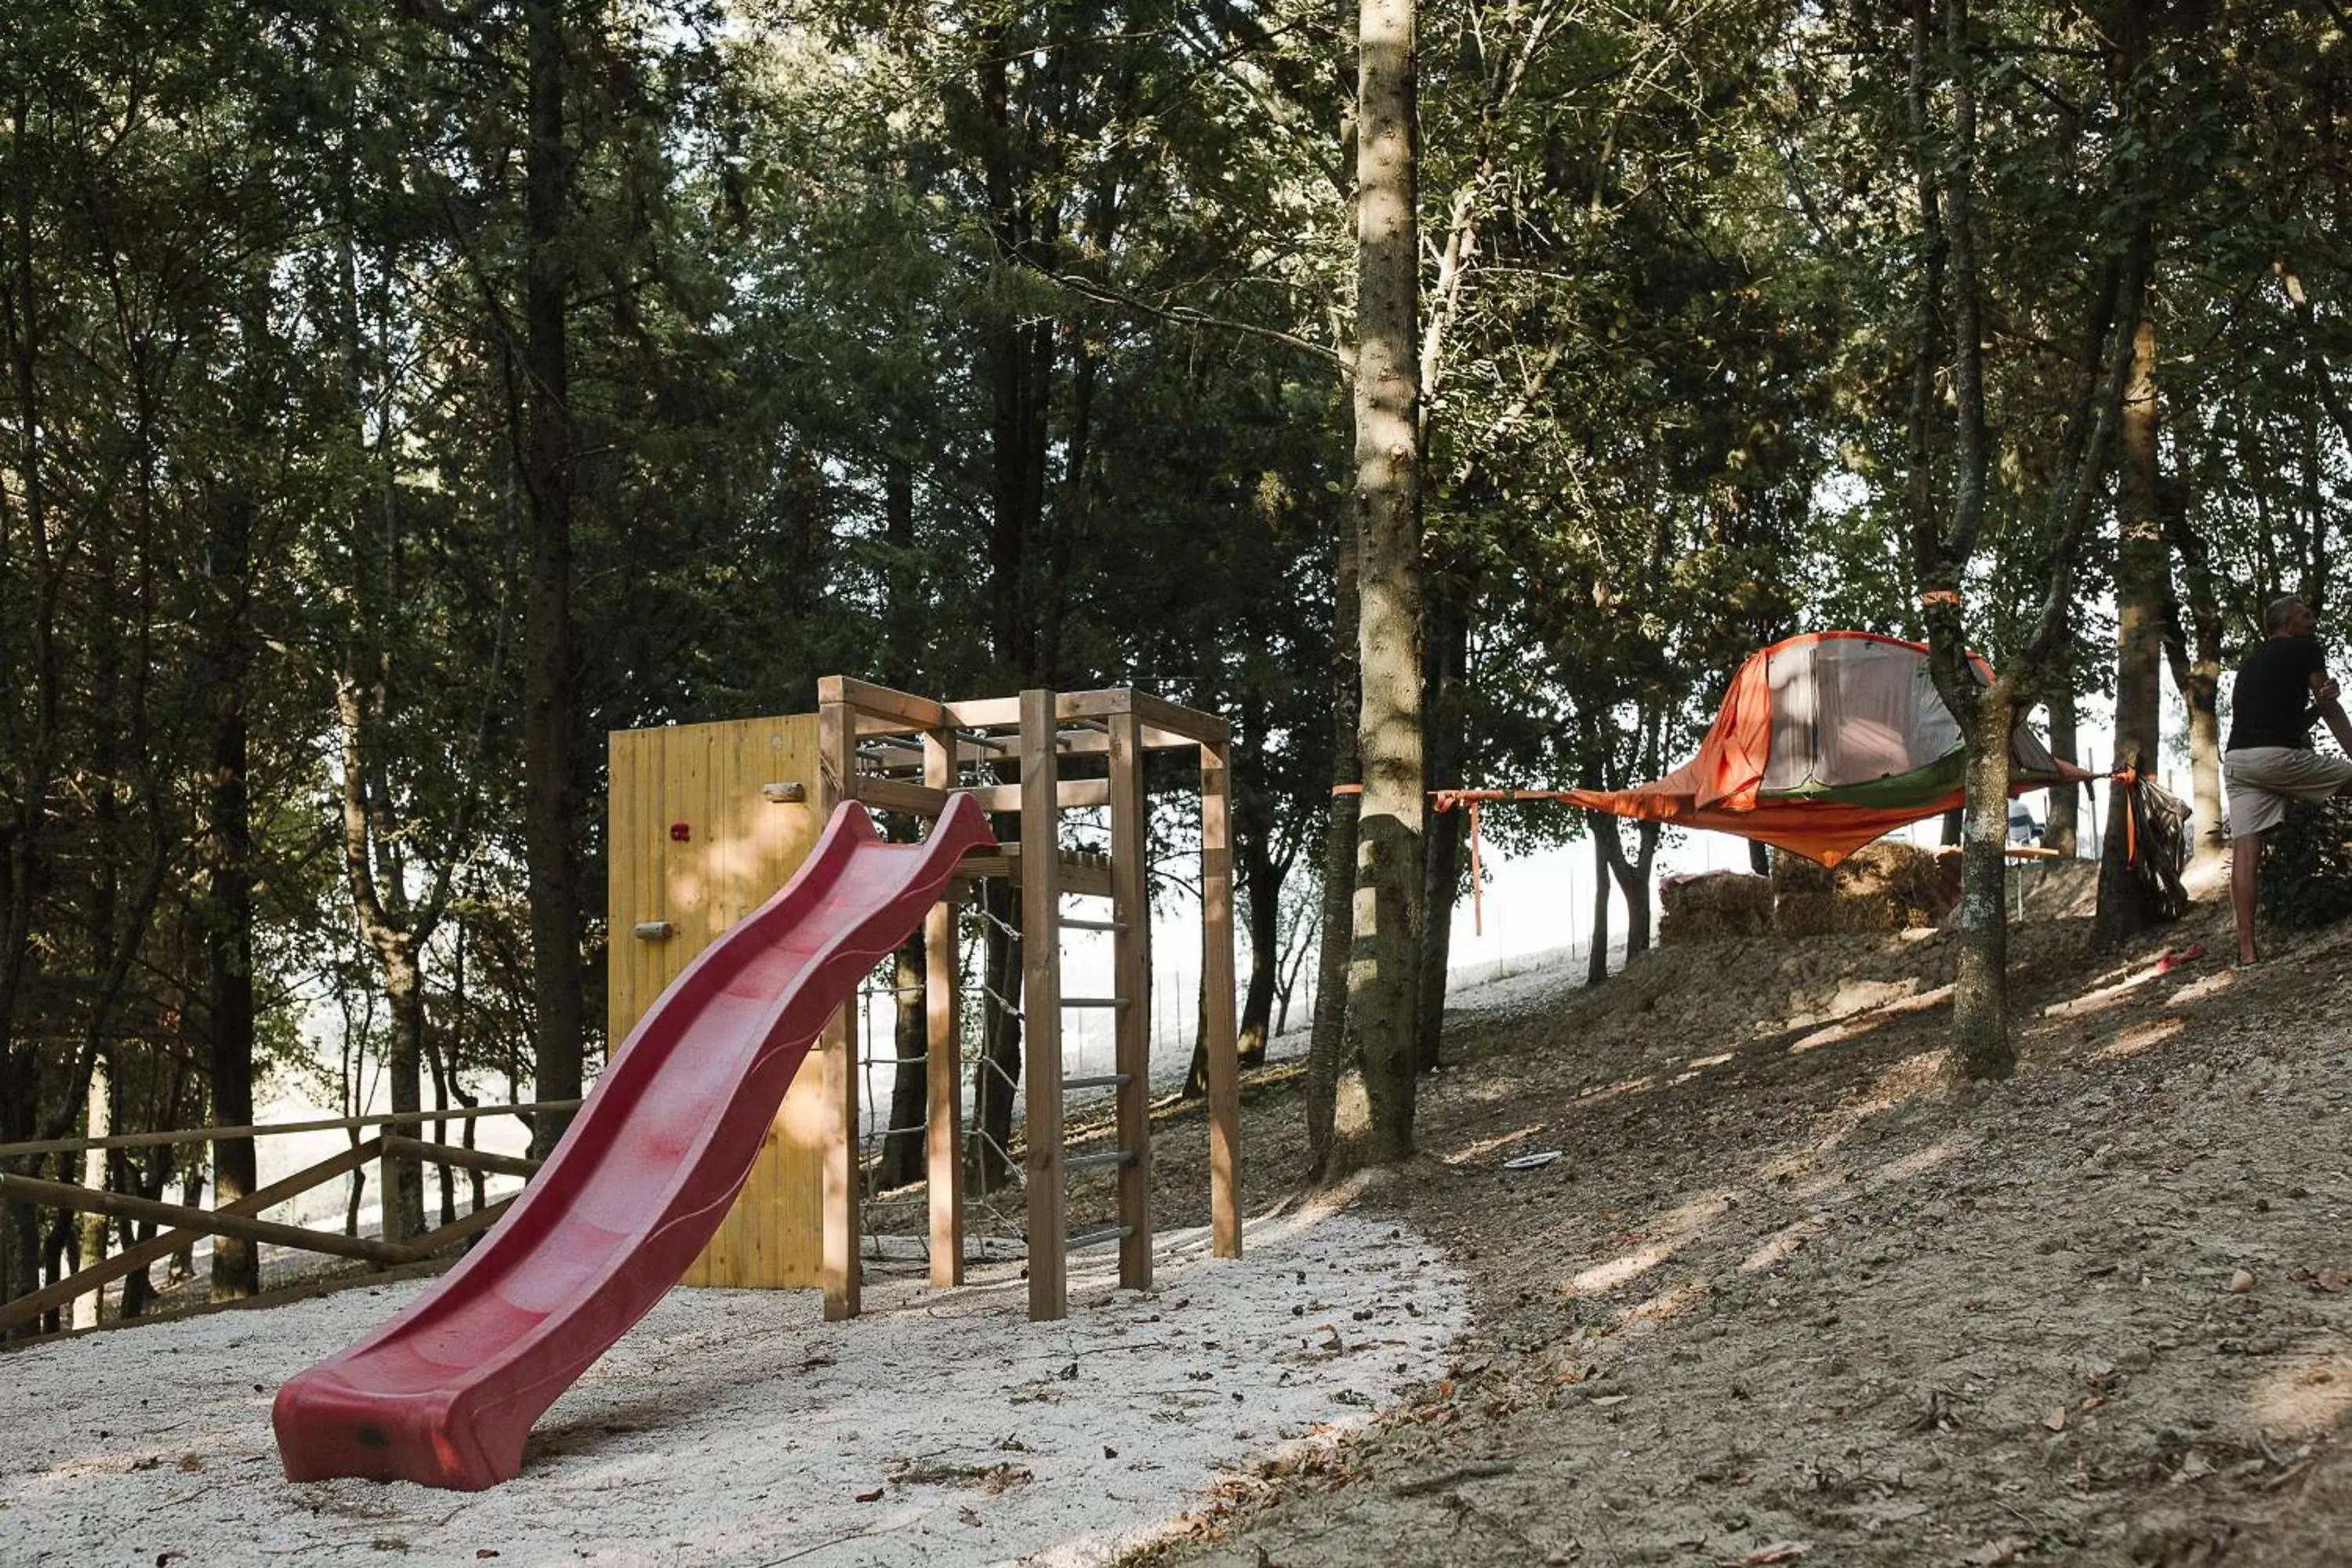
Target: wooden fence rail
[(328, 1125), (240, 1218)]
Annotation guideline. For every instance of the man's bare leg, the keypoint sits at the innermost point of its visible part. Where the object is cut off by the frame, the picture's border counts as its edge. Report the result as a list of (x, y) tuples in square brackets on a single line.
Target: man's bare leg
[(2246, 854)]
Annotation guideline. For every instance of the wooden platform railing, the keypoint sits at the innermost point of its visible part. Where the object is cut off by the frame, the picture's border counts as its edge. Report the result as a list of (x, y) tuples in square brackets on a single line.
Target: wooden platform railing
[(240, 1218)]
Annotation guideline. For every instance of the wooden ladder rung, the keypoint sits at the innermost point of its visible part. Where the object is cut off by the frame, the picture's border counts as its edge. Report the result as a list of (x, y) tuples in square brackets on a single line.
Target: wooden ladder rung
[(1096, 1235), (1094, 1002), (1098, 1161), (1069, 923), (1100, 1080)]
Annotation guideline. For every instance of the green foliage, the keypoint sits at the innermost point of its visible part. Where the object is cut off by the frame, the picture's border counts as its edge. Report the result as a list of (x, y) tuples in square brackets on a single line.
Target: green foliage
[(2306, 871)]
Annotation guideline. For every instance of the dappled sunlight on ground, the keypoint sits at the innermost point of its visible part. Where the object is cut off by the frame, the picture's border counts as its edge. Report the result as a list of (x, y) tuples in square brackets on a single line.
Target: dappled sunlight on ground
[(2107, 998), (1665, 1235), (1667, 1304), (2308, 1396), (1783, 1244), (1875, 1017), (2133, 1038), (1641, 1084), (1793, 1284), (1471, 1154)]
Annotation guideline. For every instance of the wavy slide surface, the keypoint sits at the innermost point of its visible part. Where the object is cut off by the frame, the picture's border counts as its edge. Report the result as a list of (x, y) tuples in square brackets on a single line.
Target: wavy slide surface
[(445, 1393)]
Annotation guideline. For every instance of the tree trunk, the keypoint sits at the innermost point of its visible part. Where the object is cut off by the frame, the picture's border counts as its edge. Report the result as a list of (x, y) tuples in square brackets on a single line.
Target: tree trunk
[(403, 996), (558, 996), (2063, 831), (1261, 885), (2192, 646), (1596, 960), (1980, 987), (1326, 1049), (1383, 972), (2142, 581), (379, 906), (904, 1144), (227, 856), (1447, 670), (97, 1121), (24, 859), (1634, 883)]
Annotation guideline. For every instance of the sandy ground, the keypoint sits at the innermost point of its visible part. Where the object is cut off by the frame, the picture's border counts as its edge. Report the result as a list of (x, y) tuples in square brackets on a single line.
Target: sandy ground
[(1790, 1295), (738, 1428)]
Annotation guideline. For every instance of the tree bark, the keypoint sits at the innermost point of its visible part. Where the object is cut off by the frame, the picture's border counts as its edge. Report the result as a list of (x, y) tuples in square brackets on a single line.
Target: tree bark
[(25, 870), (1326, 1049), (1383, 973), (551, 858), (2063, 831), (1596, 960), (903, 1144), (1633, 882), (1262, 877), (2142, 580), (227, 854), (97, 1121), (2192, 646), (1446, 673), (1980, 987)]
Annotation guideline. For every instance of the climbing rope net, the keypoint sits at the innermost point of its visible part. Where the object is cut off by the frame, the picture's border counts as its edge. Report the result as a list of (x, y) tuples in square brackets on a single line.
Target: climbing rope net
[(894, 1085)]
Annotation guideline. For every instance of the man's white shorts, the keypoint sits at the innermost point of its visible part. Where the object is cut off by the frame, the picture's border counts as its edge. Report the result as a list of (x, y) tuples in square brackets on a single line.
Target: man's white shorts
[(2262, 779)]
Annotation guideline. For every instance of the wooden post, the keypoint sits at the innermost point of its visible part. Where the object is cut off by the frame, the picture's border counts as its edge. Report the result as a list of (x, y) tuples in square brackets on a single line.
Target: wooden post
[(835, 1049), (388, 1183), (1041, 1007), (1130, 911), (1217, 999), (942, 1057)]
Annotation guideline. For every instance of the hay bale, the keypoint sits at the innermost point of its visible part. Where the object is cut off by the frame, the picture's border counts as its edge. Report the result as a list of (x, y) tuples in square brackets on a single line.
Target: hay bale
[(1714, 904), (1880, 888)]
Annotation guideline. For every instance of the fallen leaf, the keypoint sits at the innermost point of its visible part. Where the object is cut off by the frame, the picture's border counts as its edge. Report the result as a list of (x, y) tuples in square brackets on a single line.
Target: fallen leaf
[(874, 1496), (1993, 1553), (2333, 1279), (1779, 1551), (2057, 1419)]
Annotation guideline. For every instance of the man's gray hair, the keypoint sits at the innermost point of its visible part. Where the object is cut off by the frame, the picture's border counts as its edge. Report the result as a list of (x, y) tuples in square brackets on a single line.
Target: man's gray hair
[(2275, 613)]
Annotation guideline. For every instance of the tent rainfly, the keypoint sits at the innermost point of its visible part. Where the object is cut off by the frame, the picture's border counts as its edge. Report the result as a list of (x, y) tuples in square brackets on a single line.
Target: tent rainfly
[(1825, 741)]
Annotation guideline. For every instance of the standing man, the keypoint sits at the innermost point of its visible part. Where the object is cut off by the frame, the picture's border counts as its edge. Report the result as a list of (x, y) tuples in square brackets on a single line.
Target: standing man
[(2281, 689)]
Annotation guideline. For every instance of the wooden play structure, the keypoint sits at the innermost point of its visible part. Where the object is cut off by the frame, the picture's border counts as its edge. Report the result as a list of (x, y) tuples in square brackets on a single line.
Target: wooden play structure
[(707, 820)]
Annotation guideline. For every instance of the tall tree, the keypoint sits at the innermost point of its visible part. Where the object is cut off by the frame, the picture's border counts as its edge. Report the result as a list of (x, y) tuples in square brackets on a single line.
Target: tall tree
[(1944, 62), (545, 439), (1383, 978)]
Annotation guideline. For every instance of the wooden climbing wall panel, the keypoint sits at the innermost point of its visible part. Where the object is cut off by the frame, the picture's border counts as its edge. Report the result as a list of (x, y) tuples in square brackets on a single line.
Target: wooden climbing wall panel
[(696, 842)]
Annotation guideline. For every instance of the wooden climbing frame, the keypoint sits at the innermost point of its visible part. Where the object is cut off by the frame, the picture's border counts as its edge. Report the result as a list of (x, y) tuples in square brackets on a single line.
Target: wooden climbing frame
[(898, 752)]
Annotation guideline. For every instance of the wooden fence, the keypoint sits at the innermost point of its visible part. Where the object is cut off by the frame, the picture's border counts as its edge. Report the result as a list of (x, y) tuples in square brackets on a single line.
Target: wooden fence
[(387, 1151)]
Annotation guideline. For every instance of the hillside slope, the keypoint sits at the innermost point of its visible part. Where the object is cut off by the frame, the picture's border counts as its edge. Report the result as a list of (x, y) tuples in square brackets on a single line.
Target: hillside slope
[(1791, 1295)]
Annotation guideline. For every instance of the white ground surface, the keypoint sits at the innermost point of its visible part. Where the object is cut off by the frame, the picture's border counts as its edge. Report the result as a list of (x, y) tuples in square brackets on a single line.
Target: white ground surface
[(738, 1428)]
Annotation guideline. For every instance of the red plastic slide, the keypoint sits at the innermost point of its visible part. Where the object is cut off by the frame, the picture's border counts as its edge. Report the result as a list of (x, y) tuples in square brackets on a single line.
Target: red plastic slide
[(445, 1393)]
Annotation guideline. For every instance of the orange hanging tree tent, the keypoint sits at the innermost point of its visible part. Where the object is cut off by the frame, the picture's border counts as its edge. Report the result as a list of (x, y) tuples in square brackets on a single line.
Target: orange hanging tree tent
[(1824, 741)]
